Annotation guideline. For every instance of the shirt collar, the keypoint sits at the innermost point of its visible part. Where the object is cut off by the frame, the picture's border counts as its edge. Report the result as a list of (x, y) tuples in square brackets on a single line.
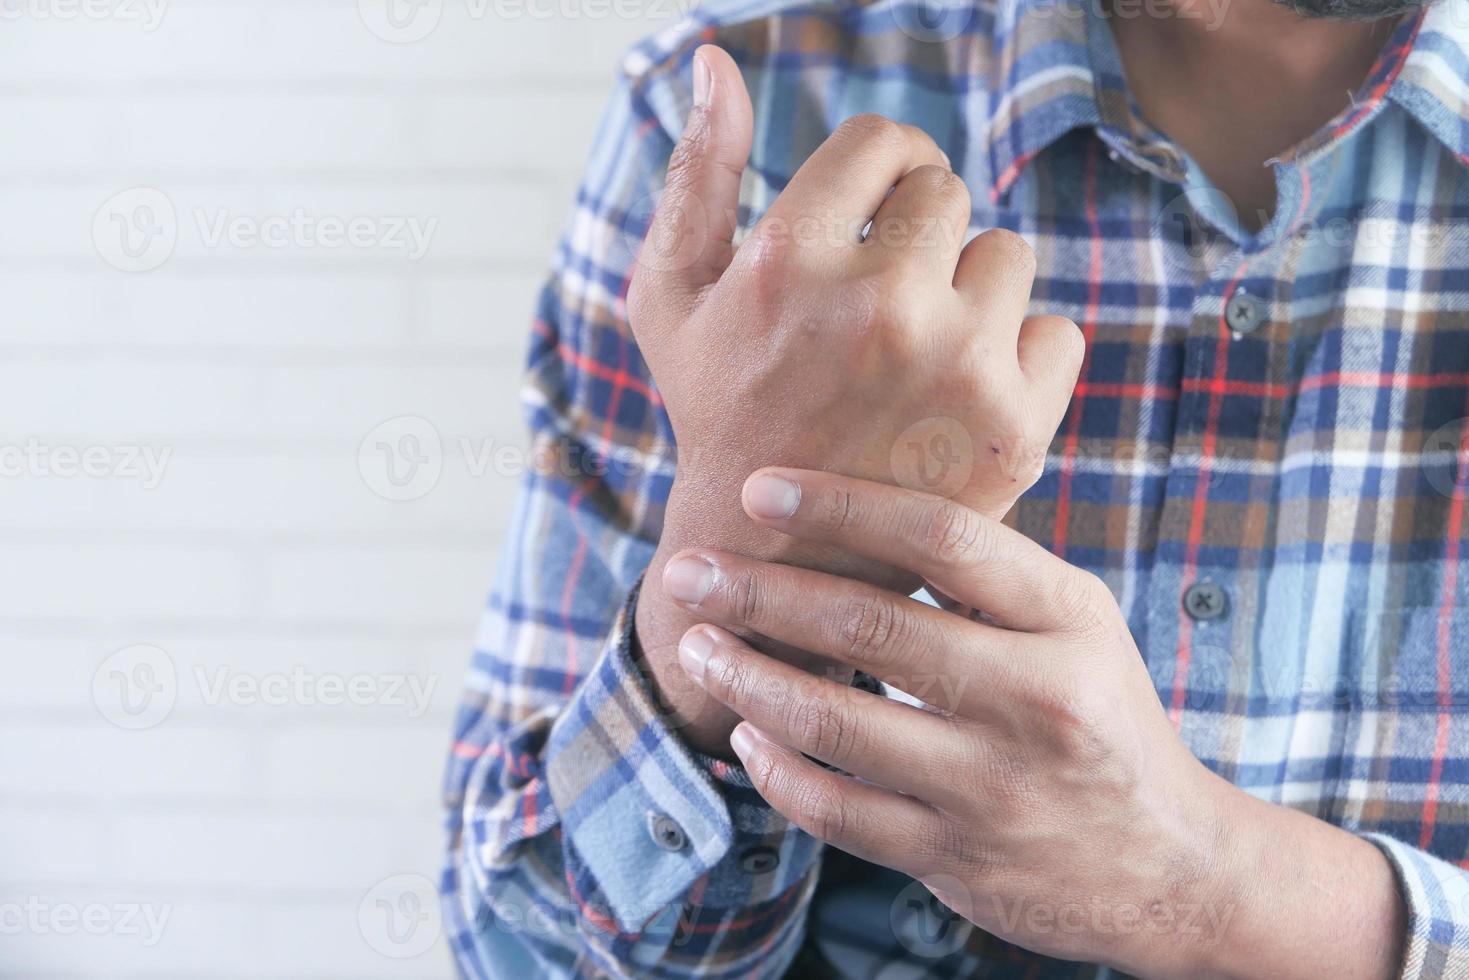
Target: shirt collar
[(1044, 85), (1432, 84), (1058, 69)]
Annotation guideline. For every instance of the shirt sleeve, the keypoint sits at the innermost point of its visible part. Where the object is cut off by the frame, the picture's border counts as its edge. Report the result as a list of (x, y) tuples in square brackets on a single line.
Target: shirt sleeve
[(1437, 897), (585, 837)]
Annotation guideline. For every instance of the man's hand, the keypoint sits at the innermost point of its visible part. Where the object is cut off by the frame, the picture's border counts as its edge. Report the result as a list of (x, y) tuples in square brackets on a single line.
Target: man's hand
[(903, 355), (1045, 796)]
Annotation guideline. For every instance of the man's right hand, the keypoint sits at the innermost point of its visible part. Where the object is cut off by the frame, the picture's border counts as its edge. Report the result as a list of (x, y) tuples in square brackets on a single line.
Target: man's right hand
[(903, 356)]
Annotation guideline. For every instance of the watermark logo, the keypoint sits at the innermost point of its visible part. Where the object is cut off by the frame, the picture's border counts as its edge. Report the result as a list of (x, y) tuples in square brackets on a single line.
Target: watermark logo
[(933, 21), (135, 230), (1445, 457), (136, 687), (926, 926), (400, 917), (402, 458), (1192, 226), (935, 455), (400, 21), (663, 233)]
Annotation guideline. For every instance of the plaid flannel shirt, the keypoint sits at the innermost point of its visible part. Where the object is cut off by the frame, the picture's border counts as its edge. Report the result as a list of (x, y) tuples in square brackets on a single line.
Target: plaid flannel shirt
[(1273, 416)]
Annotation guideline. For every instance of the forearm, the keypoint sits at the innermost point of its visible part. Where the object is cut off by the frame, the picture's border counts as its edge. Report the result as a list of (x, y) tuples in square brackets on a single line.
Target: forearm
[(1301, 898)]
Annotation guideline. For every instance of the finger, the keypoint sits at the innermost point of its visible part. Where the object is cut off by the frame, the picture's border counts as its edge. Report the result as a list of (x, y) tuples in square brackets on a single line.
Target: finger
[(996, 271), (892, 744), (873, 824), (924, 221), (972, 558), (688, 245), (1051, 350), (844, 182), (889, 636)]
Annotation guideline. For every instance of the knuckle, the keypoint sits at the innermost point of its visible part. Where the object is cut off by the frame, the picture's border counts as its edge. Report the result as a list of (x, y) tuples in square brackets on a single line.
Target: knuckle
[(1013, 251), (1007, 777), (1079, 597), (823, 729), (835, 510), (1073, 731), (822, 811), (692, 147), (941, 183), (1030, 462), (907, 310), (1071, 341), (729, 675), (764, 772), (869, 128), (745, 594), (958, 846), (868, 627), (767, 261), (977, 858), (769, 250), (956, 535)]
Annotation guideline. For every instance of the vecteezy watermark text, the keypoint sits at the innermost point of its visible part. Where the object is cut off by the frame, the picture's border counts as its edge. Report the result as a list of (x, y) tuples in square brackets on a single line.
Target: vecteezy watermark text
[(407, 21), (137, 230), (137, 687), (39, 917), (35, 458), (148, 13)]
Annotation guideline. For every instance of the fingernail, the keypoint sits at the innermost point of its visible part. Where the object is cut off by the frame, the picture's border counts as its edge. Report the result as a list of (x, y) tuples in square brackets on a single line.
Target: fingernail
[(693, 653), (772, 497), (703, 79), (688, 579), (742, 740)]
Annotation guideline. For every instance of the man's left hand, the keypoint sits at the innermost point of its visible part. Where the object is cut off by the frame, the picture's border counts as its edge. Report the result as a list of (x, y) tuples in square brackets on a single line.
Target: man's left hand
[(1044, 793)]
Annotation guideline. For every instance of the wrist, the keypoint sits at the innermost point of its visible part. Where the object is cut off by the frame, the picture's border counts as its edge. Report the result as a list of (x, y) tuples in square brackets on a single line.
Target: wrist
[(1303, 898), (658, 624), (704, 511), (1186, 931), (1231, 893)]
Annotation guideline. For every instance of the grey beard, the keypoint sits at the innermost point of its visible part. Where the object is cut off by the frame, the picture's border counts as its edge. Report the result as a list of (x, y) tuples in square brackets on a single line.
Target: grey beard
[(1353, 9)]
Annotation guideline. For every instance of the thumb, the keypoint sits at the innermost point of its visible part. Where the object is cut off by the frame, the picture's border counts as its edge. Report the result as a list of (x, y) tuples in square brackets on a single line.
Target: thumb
[(689, 245)]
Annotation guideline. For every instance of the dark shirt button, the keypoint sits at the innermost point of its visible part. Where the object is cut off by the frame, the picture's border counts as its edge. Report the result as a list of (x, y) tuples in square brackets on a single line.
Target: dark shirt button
[(1244, 313), (1205, 600), (759, 860), (666, 832)]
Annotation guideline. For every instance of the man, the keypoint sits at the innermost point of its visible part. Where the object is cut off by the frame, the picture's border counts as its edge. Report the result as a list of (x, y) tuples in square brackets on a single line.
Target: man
[(1196, 708)]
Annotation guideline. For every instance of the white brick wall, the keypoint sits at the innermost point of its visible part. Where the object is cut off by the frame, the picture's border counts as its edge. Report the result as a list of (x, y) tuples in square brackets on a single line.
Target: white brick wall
[(259, 569)]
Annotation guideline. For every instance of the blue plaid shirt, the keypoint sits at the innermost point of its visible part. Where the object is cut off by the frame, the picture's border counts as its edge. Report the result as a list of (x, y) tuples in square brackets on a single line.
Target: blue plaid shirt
[(1274, 418)]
